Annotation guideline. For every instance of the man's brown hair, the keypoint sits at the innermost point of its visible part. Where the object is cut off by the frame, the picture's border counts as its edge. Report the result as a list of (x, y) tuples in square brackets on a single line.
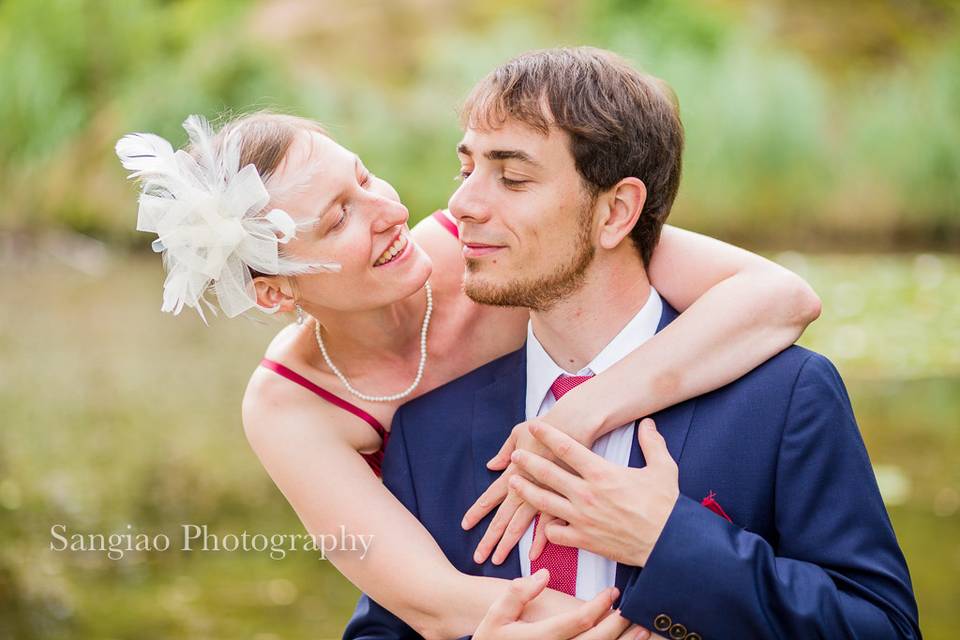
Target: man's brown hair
[(621, 122)]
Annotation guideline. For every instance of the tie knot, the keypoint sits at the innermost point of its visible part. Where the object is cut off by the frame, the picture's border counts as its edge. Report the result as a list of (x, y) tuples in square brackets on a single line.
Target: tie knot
[(564, 383)]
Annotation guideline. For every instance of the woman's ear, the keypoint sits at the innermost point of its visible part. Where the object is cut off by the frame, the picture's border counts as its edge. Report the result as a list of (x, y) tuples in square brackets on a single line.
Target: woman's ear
[(625, 203), (274, 292)]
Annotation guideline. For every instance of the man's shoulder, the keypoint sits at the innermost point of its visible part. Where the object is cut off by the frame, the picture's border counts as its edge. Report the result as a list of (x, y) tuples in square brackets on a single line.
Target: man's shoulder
[(452, 394), (795, 361), (776, 381), (785, 367)]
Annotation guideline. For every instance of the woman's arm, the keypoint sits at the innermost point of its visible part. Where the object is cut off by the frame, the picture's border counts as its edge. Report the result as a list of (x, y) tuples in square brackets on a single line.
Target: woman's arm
[(310, 450), (738, 310)]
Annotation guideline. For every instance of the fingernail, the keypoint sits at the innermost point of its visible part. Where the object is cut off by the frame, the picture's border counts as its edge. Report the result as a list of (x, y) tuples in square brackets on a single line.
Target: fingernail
[(463, 523), (648, 425)]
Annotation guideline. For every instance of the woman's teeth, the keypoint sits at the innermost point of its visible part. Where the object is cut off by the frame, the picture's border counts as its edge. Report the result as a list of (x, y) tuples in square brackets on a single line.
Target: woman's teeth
[(392, 252)]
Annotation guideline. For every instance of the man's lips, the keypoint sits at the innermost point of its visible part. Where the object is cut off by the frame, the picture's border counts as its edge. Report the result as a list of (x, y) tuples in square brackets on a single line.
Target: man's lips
[(477, 249)]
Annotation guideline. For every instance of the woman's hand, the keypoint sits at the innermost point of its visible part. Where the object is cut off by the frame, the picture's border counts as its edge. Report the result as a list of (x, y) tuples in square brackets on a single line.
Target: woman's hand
[(508, 617), (513, 515)]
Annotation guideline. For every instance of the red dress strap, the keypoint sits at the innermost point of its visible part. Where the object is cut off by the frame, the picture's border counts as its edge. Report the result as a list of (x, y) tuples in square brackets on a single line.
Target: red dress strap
[(375, 460), (446, 222)]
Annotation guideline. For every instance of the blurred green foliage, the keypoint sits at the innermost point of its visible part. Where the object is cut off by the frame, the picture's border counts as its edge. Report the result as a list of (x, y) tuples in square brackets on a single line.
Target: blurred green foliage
[(816, 123)]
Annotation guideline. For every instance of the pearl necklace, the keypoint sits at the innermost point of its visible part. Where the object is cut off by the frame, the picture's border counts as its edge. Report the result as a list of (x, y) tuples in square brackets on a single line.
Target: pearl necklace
[(420, 367)]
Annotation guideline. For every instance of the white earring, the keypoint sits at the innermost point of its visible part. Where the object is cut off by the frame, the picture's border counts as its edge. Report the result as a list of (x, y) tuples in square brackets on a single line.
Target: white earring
[(299, 314)]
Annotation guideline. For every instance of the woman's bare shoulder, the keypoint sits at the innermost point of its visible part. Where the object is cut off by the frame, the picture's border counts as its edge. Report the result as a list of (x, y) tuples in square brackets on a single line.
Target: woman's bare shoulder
[(276, 408), (277, 412), (266, 390), (444, 250)]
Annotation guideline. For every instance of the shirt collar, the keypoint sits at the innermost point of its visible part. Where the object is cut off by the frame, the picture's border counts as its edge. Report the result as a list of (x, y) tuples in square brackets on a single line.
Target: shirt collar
[(542, 370)]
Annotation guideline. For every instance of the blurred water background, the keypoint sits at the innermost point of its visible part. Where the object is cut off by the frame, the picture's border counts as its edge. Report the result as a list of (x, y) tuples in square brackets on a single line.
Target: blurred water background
[(824, 135)]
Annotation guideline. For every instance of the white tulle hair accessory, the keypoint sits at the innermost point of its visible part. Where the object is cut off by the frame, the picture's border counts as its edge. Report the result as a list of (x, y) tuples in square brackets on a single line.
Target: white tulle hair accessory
[(210, 220)]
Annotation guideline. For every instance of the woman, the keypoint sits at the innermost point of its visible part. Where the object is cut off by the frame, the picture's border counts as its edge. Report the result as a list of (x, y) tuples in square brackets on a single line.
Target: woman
[(393, 321)]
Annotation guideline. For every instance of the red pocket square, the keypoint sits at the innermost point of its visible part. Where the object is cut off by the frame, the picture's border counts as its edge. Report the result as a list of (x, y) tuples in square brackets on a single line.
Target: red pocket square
[(714, 506)]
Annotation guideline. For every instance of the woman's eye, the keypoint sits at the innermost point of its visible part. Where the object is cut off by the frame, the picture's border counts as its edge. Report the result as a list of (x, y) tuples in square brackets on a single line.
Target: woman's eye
[(343, 216), (463, 175), (366, 179)]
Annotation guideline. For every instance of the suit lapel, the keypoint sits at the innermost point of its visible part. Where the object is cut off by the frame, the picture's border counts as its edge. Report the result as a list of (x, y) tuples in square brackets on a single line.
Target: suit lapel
[(673, 423), (496, 409)]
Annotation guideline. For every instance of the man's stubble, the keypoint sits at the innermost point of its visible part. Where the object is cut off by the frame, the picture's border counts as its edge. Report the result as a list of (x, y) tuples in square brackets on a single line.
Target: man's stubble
[(540, 292)]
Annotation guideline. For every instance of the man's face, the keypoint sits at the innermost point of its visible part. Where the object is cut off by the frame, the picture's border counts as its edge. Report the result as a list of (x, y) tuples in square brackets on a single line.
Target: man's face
[(525, 217)]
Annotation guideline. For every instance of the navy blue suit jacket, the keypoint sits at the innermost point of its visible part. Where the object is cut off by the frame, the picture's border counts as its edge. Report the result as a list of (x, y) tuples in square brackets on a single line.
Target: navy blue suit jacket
[(810, 552)]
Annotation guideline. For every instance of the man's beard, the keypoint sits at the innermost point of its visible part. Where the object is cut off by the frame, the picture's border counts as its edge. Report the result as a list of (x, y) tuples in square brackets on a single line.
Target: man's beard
[(541, 292)]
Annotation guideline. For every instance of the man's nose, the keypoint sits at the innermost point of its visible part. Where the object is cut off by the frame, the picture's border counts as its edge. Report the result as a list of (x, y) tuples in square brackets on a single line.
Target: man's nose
[(467, 203)]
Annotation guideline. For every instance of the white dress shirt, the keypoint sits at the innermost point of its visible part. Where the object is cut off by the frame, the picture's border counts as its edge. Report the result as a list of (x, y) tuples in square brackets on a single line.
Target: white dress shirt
[(594, 573)]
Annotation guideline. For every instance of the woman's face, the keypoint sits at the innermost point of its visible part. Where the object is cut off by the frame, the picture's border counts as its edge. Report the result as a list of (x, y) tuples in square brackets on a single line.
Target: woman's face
[(346, 214)]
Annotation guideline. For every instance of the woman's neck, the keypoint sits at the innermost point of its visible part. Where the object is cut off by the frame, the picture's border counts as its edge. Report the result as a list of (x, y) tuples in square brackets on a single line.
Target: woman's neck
[(387, 336)]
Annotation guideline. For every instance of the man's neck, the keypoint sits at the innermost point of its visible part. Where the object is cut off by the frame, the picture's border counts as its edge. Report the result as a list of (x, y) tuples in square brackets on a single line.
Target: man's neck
[(577, 328)]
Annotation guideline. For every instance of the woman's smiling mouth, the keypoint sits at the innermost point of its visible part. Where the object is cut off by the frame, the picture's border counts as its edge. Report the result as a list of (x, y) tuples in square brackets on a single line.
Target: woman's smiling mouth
[(394, 251)]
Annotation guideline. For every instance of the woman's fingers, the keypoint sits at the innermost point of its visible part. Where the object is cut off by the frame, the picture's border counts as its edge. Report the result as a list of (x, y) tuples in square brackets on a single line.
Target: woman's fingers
[(508, 607), (514, 531), (487, 501), (612, 627), (580, 619), (635, 632), (540, 535), (502, 459), (497, 526)]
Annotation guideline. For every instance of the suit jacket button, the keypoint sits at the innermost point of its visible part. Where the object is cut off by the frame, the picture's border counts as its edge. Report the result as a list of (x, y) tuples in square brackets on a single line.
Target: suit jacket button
[(662, 622), (693, 636), (678, 632)]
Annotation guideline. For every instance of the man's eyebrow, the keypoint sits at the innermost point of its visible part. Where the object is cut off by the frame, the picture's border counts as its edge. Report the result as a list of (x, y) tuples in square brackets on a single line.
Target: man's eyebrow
[(511, 154), (501, 154)]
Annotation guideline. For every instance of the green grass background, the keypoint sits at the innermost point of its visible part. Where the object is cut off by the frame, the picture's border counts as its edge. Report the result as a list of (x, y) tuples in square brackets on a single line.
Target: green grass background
[(117, 414)]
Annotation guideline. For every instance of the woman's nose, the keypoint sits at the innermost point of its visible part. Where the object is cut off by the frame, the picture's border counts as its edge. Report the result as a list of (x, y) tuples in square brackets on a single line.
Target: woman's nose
[(390, 213)]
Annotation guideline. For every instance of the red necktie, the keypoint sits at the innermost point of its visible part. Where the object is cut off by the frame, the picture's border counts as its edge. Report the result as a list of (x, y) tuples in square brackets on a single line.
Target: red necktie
[(560, 560)]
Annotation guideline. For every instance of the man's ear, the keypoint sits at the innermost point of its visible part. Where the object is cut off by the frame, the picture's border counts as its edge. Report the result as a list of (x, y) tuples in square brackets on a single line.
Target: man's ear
[(624, 204), (273, 291)]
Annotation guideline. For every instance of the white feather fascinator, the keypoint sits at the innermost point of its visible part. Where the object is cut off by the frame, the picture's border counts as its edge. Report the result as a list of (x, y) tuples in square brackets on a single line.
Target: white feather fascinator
[(209, 217)]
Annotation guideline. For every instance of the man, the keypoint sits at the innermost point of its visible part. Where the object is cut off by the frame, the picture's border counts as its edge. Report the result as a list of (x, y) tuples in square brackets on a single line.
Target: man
[(749, 512)]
